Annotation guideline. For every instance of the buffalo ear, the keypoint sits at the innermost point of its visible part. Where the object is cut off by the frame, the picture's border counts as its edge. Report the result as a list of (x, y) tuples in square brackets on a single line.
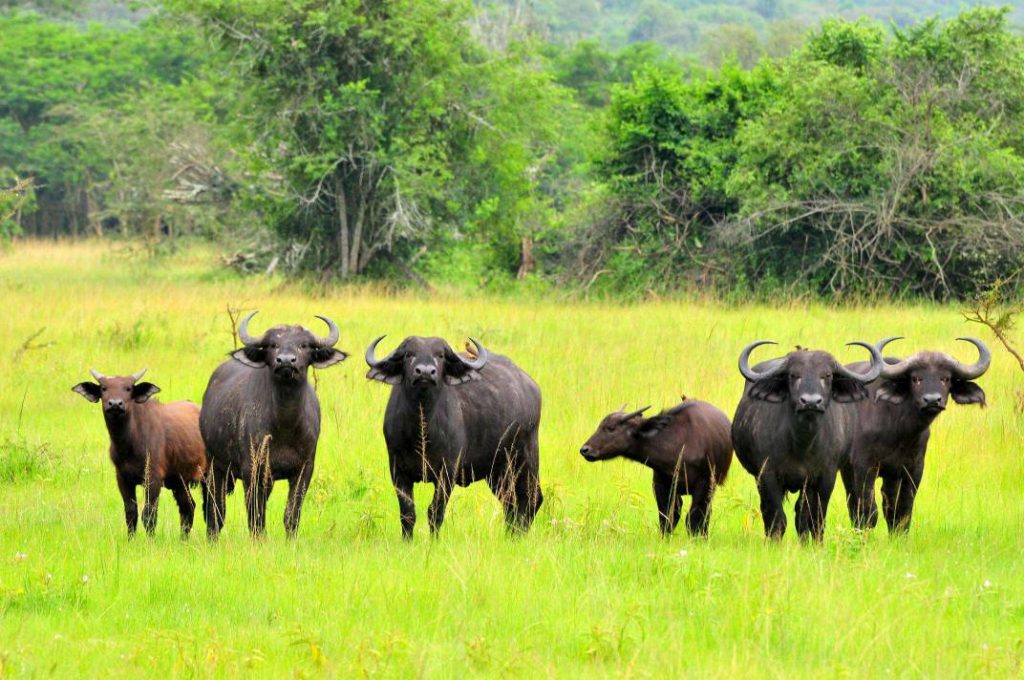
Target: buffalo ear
[(89, 390), (456, 371), (653, 426), (772, 390), (252, 356), (323, 357), (845, 390), (966, 392), (388, 371), (892, 391), (141, 392)]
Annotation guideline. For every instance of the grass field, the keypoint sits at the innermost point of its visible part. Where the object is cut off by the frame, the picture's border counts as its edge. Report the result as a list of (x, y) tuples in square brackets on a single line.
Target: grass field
[(592, 591)]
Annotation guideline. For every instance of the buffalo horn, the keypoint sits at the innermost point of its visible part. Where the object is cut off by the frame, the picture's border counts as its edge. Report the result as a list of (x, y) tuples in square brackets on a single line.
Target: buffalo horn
[(750, 374), (481, 359), (96, 374), (243, 330), (371, 359), (974, 370), (634, 414), (333, 334), (874, 370), (138, 376)]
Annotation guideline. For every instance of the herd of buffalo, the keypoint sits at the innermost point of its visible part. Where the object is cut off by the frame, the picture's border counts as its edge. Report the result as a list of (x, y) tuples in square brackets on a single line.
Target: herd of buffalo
[(456, 418)]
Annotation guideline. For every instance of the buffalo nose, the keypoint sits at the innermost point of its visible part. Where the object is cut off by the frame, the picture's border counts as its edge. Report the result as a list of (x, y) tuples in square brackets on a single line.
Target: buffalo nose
[(425, 371), (285, 360), (584, 449), (932, 399), (811, 399), (115, 403)]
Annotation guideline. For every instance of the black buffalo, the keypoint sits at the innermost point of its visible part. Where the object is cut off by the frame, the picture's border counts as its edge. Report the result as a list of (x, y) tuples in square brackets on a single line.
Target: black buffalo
[(688, 448), (261, 421), (894, 426), (793, 427), (455, 419)]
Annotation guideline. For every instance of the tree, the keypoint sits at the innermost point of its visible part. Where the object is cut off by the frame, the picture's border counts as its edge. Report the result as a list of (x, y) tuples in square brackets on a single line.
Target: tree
[(372, 114)]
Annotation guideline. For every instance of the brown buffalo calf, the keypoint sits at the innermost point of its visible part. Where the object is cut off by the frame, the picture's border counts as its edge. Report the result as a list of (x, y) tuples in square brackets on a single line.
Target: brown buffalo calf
[(688, 447), (152, 445)]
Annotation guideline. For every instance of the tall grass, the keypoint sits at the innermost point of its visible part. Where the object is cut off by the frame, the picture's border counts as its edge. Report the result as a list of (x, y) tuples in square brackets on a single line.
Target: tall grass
[(592, 590)]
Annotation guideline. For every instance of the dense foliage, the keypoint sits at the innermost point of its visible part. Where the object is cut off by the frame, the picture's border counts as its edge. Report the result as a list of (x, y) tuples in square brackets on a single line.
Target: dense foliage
[(442, 141), (863, 163)]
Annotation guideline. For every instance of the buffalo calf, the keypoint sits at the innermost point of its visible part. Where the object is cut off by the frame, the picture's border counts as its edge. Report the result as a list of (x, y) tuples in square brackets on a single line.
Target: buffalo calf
[(152, 445), (688, 447), (793, 427), (454, 419), (893, 429)]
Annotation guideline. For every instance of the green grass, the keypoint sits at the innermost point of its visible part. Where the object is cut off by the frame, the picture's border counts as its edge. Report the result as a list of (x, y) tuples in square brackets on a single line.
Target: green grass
[(592, 591)]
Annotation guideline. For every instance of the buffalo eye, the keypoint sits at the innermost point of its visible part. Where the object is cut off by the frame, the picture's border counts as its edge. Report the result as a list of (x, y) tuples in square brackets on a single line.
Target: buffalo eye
[(916, 380)]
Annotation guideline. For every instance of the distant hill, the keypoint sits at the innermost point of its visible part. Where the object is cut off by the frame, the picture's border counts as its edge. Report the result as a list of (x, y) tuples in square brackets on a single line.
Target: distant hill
[(703, 27)]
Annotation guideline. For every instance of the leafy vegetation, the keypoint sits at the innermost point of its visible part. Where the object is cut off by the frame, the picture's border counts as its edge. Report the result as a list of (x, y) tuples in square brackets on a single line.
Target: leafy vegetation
[(475, 145)]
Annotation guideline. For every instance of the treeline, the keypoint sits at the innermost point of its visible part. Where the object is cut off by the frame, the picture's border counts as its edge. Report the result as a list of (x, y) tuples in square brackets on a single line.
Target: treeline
[(428, 140), (710, 30)]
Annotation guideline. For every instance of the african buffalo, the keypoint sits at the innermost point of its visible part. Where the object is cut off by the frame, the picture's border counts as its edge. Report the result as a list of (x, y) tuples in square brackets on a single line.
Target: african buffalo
[(261, 421), (894, 426), (152, 445), (688, 447), (454, 419), (793, 427)]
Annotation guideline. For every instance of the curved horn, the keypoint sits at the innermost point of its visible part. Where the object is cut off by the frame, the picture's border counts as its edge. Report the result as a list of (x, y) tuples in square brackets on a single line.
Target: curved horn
[(633, 414), (138, 376), (749, 373), (96, 374), (874, 370), (333, 334), (897, 370), (885, 341), (481, 359), (371, 358), (243, 330), (976, 369)]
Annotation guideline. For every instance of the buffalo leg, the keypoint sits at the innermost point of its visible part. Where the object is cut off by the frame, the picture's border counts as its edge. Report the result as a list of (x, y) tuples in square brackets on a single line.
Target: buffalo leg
[(699, 516), (518, 489), (898, 495), (151, 489), (131, 504), (297, 488), (439, 503), (256, 495), (669, 500), (812, 506), (215, 504), (771, 506), (186, 506), (525, 503), (860, 496), (406, 502)]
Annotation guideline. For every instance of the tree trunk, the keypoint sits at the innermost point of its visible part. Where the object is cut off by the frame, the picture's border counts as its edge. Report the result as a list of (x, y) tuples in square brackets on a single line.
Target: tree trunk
[(357, 237), (526, 262), (339, 190)]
